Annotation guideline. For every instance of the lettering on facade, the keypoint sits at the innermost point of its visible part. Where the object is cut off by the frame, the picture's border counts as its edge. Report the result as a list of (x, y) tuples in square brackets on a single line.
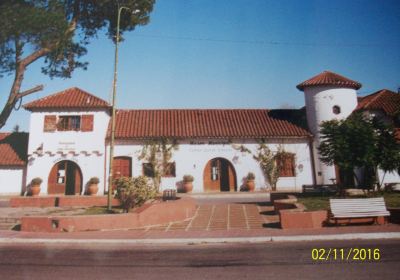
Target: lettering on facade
[(210, 150), (196, 143), (66, 146), (220, 142)]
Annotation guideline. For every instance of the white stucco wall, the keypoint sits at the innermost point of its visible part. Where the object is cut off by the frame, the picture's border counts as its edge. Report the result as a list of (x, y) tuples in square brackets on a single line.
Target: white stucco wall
[(86, 149), (68, 140), (192, 159), (389, 177), (319, 103), (12, 180), (90, 165)]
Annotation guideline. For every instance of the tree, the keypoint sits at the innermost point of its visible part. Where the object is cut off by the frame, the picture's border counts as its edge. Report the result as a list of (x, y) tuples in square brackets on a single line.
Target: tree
[(158, 153), (57, 31), (358, 142), (267, 160)]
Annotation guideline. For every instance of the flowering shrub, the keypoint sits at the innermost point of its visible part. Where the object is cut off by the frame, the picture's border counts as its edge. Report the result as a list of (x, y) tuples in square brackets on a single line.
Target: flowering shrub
[(133, 191)]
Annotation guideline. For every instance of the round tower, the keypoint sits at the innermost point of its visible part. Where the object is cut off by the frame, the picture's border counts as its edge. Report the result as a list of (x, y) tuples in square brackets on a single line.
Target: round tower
[(327, 96)]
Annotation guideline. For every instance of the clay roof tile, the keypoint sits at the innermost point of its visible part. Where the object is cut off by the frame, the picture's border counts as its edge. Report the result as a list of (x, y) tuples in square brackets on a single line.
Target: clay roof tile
[(328, 78)]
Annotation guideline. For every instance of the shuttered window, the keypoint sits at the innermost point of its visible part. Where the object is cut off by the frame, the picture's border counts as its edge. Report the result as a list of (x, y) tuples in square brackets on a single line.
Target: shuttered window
[(87, 123), (286, 165), (148, 170), (68, 123), (169, 170), (50, 123)]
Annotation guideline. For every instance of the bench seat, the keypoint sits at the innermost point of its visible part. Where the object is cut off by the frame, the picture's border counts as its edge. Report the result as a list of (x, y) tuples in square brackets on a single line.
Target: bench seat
[(350, 208)]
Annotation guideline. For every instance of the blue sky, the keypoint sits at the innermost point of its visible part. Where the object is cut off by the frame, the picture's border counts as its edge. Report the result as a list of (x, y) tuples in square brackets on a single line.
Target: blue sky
[(236, 54)]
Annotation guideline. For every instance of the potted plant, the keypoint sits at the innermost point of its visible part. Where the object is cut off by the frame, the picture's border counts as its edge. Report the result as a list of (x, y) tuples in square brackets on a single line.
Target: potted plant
[(35, 186), (188, 183), (92, 186), (250, 181)]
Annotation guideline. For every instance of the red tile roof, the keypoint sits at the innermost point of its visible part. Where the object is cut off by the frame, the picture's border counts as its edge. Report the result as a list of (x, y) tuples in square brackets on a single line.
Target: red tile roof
[(327, 78), (385, 100), (13, 149), (69, 98), (207, 123)]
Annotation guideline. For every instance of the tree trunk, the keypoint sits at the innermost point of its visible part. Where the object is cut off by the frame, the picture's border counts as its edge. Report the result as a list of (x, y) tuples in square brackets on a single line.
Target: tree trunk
[(13, 96)]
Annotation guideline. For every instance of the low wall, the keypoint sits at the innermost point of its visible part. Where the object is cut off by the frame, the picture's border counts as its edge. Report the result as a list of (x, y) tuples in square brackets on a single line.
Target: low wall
[(85, 201), (49, 201), (149, 214), (61, 201), (291, 219)]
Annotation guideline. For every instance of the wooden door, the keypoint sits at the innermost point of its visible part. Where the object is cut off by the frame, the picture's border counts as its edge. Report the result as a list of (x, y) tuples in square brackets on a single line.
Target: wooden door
[(65, 178), (219, 175), (57, 176), (122, 167)]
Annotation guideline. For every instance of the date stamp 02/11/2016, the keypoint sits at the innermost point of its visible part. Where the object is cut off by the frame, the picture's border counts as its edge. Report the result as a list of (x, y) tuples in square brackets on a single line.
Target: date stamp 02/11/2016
[(345, 254)]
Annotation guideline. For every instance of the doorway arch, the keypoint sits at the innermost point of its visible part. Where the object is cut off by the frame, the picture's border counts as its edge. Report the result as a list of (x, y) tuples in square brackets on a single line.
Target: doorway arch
[(219, 175), (65, 178)]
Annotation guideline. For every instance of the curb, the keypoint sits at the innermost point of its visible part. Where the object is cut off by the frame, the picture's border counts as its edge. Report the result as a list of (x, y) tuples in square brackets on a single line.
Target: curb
[(193, 241)]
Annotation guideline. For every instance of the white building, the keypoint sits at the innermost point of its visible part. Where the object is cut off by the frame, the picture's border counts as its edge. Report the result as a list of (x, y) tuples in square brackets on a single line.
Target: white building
[(69, 141)]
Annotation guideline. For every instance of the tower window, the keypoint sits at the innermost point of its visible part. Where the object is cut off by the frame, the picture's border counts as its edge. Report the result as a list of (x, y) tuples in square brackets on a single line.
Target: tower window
[(336, 110)]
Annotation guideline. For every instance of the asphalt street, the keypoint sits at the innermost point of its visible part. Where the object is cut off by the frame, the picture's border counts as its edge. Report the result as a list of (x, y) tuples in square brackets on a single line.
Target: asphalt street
[(272, 260)]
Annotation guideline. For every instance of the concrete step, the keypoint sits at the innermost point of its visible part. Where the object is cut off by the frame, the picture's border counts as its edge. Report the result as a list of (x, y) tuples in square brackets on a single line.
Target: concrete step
[(7, 223), (4, 203), (8, 220), (7, 226)]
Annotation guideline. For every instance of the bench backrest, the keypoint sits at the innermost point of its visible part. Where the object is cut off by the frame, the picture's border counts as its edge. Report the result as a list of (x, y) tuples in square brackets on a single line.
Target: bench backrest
[(358, 207)]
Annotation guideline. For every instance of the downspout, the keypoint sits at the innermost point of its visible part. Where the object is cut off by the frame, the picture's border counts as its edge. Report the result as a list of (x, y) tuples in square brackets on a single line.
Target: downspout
[(314, 177), (105, 165)]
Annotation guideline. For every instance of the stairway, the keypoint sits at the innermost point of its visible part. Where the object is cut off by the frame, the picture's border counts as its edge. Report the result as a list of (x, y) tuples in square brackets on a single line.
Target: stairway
[(8, 223)]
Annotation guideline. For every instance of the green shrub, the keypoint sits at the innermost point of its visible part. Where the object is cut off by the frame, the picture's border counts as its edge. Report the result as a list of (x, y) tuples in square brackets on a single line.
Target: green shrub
[(36, 181), (133, 191)]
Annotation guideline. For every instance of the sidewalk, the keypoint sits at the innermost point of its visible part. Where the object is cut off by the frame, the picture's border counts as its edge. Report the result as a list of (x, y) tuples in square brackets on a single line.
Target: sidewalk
[(214, 221)]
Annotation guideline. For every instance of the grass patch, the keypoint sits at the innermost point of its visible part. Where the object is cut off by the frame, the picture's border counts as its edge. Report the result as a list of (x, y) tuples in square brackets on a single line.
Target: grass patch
[(320, 202), (315, 203), (97, 210), (392, 199)]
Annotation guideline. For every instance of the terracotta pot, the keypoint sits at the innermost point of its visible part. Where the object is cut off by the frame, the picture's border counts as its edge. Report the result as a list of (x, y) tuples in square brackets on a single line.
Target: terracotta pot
[(250, 185), (93, 189), (188, 187), (35, 190)]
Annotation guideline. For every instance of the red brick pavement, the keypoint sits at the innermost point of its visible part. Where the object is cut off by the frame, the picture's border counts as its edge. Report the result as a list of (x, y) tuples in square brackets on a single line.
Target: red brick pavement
[(227, 217)]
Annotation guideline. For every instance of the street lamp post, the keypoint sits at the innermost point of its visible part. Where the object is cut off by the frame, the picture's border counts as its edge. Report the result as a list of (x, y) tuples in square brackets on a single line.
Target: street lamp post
[(110, 170)]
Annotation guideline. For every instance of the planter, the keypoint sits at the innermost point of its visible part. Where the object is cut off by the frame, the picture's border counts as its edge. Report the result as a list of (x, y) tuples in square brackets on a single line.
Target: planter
[(295, 219), (187, 187), (35, 190), (250, 185), (93, 189)]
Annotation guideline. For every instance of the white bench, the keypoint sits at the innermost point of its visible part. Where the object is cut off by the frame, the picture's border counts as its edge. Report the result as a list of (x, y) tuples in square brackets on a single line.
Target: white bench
[(353, 208)]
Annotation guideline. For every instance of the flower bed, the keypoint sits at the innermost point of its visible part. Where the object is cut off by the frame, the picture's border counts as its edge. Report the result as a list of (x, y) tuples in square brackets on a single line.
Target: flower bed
[(149, 214)]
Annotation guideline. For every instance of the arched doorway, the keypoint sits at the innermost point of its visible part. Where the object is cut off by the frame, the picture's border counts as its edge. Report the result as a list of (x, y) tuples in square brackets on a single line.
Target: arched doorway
[(65, 178), (219, 175)]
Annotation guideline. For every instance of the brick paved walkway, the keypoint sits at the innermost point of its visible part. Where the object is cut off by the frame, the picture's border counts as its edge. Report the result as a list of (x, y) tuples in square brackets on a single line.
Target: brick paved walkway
[(209, 217)]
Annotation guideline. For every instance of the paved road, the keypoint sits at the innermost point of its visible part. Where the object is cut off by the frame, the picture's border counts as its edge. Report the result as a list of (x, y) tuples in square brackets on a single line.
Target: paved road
[(223, 261)]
